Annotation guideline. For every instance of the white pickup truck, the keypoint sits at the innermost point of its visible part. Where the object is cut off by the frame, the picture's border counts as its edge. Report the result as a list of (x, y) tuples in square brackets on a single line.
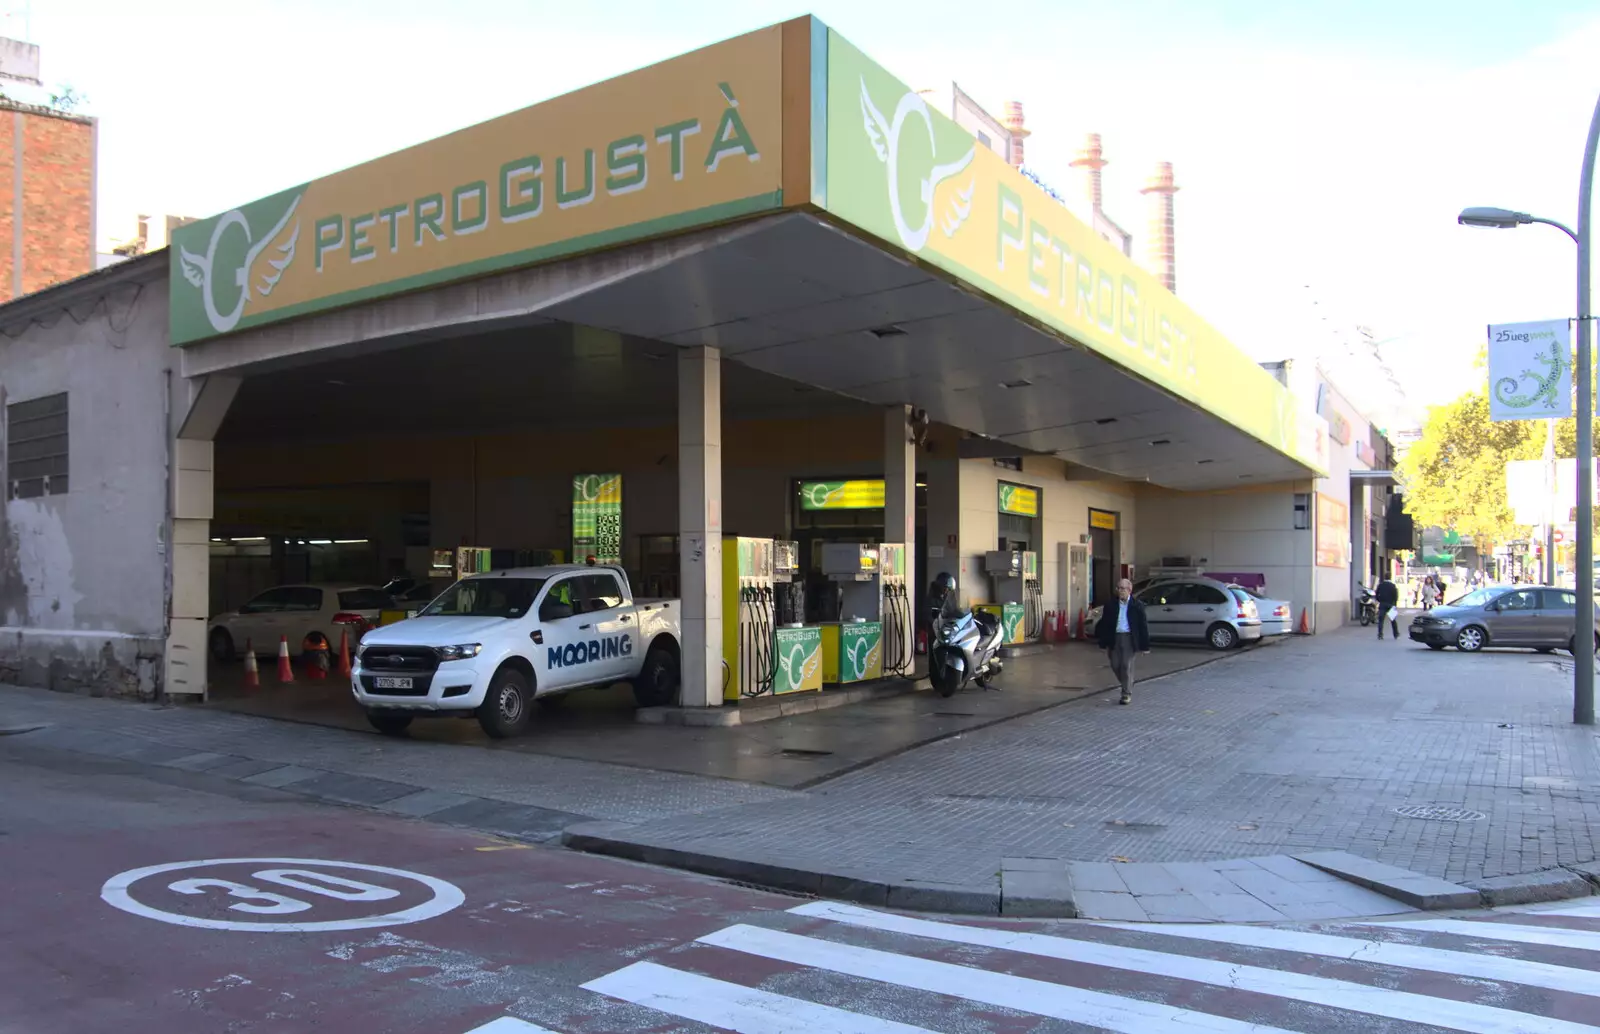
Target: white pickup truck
[(491, 643)]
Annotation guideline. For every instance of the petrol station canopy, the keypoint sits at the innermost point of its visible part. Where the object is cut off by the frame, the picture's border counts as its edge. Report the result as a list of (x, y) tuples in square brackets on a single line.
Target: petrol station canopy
[(781, 197)]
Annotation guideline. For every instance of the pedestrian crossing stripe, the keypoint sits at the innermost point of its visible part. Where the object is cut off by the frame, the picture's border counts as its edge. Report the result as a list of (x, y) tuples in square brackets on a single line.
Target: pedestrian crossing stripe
[(1337, 994), (1024, 994), (1548, 936), (1385, 953), (728, 1006), (1486, 976)]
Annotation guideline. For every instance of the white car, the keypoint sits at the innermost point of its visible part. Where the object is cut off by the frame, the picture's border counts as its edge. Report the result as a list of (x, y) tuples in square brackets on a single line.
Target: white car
[(297, 613), (491, 643), (1276, 615)]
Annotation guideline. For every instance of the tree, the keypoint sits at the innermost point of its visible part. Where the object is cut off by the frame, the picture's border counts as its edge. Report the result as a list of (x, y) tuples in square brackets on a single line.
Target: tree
[(1455, 474)]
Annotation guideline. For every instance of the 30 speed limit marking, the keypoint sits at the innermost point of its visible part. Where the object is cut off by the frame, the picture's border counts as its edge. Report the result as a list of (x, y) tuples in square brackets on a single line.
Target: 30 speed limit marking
[(261, 894)]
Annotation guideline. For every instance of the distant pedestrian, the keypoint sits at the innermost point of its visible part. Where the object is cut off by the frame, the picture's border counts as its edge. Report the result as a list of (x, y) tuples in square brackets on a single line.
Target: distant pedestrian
[(1123, 632), (1388, 594), (1428, 592), (1441, 585)]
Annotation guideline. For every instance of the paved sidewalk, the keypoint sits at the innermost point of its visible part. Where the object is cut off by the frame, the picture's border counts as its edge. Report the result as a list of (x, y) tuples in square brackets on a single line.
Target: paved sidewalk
[(1455, 766)]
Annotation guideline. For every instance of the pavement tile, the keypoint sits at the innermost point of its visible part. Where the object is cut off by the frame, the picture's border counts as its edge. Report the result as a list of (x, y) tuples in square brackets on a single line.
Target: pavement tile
[(284, 775), (1163, 908), (1238, 907), (1122, 908), (1149, 878), (242, 768), (1311, 910), (1274, 890), (1034, 865), (1096, 876), (203, 761), (352, 789), (1294, 871), (518, 820), (1199, 876), (425, 802)]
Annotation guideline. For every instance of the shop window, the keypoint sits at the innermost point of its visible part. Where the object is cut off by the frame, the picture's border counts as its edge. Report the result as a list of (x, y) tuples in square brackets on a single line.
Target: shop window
[(1009, 463), (36, 447), (1302, 511)]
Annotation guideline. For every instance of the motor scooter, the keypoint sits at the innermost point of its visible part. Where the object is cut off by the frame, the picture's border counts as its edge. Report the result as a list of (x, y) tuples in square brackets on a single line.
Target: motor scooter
[(964, 647), (1368, 607)]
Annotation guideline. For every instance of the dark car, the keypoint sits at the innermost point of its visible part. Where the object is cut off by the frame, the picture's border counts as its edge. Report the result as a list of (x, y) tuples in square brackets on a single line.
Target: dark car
[(1530, 616)]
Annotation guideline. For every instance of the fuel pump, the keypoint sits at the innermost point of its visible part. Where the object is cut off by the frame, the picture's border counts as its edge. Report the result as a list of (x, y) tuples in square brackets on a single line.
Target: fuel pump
[(852, 645), (895, 609), (1032, 596), (790, 593), (1005, 569), (748, 617)]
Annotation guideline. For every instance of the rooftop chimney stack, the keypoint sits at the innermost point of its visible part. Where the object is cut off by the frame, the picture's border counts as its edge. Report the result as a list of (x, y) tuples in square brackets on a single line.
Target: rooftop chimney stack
[(1019, 133), (1091, 160), (1160, 247)]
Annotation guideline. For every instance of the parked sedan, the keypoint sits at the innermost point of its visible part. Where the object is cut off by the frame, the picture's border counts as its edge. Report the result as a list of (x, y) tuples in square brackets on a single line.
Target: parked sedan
[(1276, 615), (1201, 610), (1542, 618), (296, 613)]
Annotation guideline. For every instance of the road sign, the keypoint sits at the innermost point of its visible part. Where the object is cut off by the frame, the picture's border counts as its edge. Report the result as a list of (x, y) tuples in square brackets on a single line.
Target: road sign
[(1559, 536), (255, 894)]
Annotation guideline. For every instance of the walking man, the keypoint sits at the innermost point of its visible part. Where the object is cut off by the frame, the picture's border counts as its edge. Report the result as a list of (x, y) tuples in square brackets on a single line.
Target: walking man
[(1388, 594), (1123, 633)]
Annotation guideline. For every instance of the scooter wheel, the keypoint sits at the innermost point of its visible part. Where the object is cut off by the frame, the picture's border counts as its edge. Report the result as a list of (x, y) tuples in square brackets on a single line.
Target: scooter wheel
[(946, 684), (1366, 618)]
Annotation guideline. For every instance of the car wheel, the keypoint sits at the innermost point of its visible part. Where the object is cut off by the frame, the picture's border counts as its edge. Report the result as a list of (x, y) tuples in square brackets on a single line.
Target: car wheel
[(390, 723), (1572, 645), (1222, 636), (1470, 639), (1436, 646), (505, 710), (1545, 649), (658, 683), (221, 645)]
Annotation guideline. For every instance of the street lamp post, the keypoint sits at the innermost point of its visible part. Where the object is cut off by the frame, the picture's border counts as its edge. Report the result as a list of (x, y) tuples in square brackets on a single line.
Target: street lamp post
[(1500, 218)]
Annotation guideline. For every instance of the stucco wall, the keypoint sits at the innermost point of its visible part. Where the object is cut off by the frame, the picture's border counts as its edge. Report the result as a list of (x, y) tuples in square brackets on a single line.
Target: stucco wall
[(1238, 531), (83, 574)]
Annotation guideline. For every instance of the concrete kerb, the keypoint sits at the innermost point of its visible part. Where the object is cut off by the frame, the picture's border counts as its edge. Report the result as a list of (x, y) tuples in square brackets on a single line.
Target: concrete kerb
[(615, 840)]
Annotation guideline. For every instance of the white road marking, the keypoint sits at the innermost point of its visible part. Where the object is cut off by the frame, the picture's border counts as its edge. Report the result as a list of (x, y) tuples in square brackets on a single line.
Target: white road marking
[(1588, 911), (1337, 994), (726, 1006), (1090, 1008), (118, 892), (1384, 953), (510, 1025), (1550, 936)]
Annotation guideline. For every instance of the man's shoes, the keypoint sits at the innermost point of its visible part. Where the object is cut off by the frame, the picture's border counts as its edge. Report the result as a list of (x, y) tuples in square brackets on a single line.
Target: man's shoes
[(1127, 698)]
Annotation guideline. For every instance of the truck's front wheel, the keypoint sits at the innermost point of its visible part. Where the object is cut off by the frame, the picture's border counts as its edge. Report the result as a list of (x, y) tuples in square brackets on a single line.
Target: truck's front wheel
[(506, 707), (657, 684)]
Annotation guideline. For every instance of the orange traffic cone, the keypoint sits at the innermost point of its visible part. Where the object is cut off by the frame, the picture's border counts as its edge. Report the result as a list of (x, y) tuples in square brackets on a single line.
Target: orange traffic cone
[(315, 649), (252, 676), (1305, 622), (344, 653), (285, 669)]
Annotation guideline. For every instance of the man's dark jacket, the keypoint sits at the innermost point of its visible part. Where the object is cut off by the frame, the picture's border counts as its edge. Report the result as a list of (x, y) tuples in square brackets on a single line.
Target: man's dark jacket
[(1105, 633), (1388, 594)]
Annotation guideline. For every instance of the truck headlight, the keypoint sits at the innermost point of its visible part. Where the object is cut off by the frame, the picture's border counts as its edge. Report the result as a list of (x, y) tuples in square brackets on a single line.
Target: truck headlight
[(457, 653)]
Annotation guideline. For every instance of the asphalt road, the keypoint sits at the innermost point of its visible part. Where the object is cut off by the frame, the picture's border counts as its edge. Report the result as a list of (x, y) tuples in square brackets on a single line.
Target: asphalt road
[(140, 899)]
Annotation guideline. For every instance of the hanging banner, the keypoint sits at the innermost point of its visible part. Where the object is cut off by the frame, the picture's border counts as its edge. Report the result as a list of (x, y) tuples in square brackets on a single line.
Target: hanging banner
[(597, 518), (1333, 531), (1530, 370)]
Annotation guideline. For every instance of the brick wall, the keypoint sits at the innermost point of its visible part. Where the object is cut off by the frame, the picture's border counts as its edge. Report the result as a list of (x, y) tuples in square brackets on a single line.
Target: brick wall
[(57, 212)]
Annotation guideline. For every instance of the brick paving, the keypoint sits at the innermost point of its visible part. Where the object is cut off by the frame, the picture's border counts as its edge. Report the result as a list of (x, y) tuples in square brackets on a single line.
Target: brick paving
[(1308, 746)]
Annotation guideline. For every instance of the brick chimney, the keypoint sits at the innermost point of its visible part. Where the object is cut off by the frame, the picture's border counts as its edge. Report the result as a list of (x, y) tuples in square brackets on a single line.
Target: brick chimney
[(1160, 254), (1019, 133), (1091, 160)]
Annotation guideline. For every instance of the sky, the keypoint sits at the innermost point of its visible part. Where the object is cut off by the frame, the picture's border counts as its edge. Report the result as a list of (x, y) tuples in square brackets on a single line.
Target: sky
[(1322, 148)]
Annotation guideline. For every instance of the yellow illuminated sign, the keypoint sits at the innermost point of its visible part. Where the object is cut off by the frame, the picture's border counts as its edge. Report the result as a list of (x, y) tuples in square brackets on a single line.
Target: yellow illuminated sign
[(1102, 519), (1019, 499), (841, 495)]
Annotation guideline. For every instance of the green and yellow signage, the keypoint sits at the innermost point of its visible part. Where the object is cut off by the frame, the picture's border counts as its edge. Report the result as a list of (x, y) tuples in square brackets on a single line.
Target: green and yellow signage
[(912, 177), (799, 660), (597, 518), (687, 142), (841, 495), (1019, 500)]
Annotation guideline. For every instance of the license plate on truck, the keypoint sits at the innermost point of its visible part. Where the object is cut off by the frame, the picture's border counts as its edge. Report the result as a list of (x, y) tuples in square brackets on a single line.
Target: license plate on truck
[(381, 682)]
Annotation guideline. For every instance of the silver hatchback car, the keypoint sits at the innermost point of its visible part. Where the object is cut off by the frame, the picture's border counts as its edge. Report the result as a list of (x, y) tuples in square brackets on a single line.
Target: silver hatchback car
[(1201, 610), (1532, 616)]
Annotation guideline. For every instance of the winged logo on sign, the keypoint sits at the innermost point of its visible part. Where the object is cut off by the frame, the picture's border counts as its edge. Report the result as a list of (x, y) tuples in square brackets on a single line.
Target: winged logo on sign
[(887, 136), (202, 271)]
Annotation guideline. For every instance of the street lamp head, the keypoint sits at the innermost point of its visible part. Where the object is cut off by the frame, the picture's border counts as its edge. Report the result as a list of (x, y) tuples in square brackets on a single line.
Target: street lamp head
[(1498, 218)]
